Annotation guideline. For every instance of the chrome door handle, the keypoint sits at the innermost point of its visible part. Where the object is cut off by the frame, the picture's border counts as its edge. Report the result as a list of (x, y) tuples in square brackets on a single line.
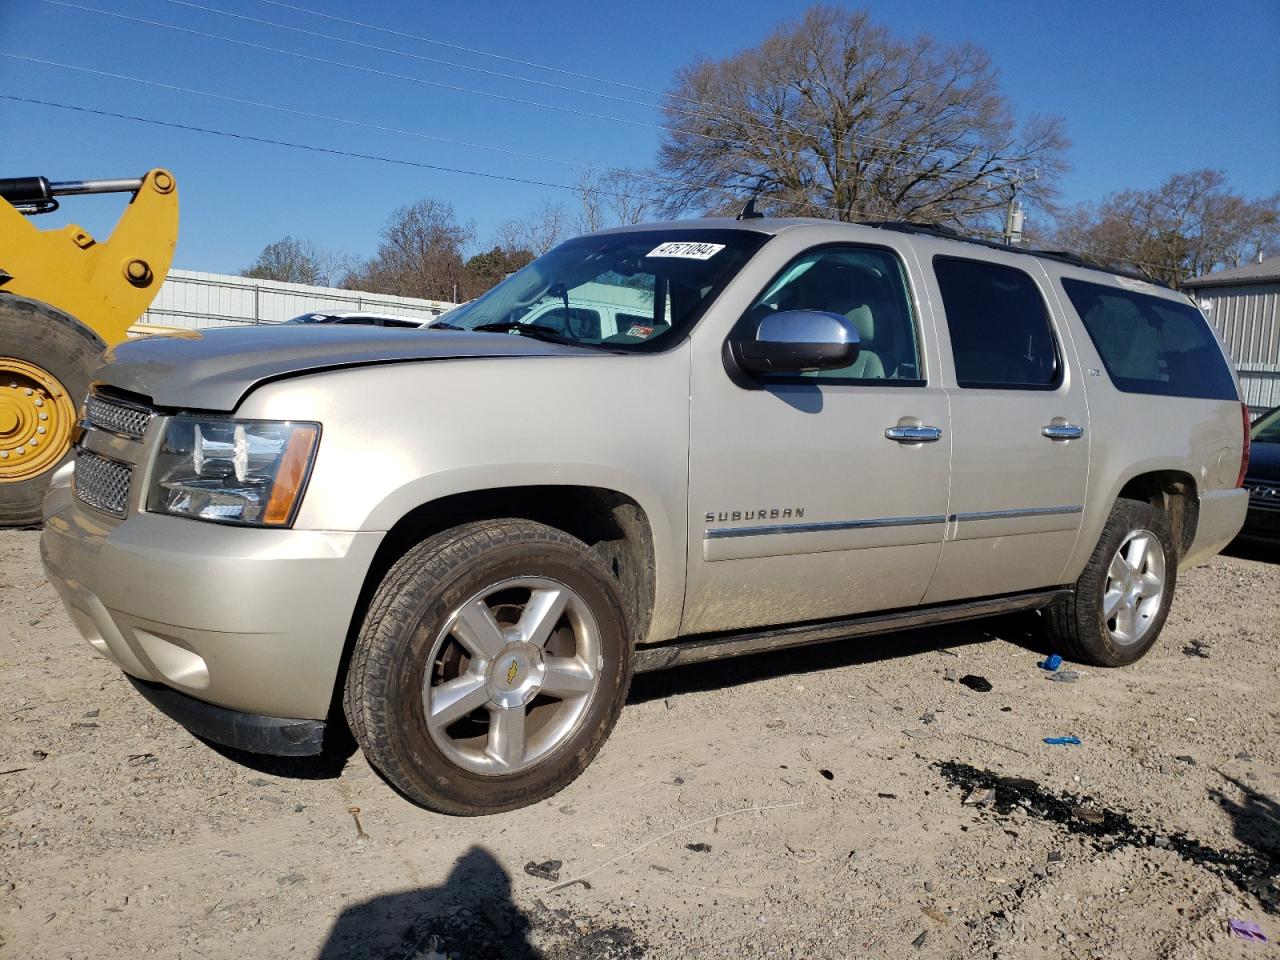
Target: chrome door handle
[(913, 434), (1062, 431)]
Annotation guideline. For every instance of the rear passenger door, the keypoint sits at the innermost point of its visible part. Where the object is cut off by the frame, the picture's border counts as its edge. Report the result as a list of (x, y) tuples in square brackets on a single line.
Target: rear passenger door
[(1020, 430)]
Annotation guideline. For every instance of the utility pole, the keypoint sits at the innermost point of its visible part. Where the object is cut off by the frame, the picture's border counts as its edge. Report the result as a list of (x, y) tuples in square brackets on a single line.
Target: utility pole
[(1013, 217)]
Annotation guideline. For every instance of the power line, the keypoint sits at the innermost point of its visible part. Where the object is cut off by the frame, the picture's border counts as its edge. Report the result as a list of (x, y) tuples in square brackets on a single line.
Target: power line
[(309, 146), (660, 181), (569, 73), (940, 174), (405, 53), (296, 112), (376, 157), (355, 66), (333, 151)]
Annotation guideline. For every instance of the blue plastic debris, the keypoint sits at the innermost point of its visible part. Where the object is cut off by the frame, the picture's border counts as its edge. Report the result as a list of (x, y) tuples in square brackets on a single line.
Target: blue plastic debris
[(1051, 663), (1067, 741)]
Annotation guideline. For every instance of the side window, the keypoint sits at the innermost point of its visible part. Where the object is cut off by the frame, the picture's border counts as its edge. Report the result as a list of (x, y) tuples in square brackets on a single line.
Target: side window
[(865, 284), (1152, 344), (999, 326)]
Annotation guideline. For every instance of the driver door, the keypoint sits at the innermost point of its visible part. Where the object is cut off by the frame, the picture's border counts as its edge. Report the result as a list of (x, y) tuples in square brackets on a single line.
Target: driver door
[(801, 507)]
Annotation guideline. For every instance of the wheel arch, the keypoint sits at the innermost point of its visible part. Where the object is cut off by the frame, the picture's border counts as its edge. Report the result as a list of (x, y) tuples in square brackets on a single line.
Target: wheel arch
[(614, 526), (1174, 493)]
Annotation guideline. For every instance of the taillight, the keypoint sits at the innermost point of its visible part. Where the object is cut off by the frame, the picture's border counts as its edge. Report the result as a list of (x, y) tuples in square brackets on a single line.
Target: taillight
[(1244, 454)]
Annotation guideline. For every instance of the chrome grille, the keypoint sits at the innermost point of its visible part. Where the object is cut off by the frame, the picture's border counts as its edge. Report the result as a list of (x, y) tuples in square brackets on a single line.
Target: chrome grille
[(122, 418), (1264, 495), (102, 483)]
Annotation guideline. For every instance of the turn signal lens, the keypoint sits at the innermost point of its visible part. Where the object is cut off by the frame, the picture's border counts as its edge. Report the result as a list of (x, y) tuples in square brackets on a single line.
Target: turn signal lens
[(290, 475)]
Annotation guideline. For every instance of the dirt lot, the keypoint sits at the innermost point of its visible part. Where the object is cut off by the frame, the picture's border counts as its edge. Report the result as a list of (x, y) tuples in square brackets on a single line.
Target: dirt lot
[(804, 804)]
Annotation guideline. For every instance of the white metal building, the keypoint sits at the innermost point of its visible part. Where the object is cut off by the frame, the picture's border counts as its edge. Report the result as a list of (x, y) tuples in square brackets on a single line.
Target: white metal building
[(196, 300), (1243, 304)]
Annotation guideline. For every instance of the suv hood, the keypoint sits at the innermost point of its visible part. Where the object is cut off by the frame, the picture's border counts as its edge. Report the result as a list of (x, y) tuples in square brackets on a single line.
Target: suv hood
[(214, 369)]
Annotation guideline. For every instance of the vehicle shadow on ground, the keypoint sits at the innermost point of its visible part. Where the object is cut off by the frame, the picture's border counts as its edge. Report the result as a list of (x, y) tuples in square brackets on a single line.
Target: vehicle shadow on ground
[(1022, 629), (339, 747), (471, 914), (1257, 550)]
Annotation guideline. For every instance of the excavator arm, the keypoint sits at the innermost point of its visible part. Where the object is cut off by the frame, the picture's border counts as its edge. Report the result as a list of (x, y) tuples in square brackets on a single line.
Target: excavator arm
[(65, 296), (105, 284)]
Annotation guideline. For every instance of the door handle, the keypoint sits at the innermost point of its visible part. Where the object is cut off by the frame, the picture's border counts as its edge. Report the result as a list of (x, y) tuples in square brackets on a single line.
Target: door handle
[(913, 434), (1062, 431)]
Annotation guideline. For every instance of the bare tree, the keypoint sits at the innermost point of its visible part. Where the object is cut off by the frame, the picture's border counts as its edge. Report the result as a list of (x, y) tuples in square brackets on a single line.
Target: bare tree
[(290, 260), (420, 255), (544, 228), (832, 116), (1189, 225), (618, 196)]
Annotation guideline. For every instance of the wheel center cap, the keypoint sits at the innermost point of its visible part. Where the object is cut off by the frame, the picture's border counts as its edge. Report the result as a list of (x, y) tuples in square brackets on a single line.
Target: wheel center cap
[(9, 417), (516, 675)]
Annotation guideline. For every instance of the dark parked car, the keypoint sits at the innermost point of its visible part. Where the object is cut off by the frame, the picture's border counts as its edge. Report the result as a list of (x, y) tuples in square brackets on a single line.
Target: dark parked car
[(1263, 479)]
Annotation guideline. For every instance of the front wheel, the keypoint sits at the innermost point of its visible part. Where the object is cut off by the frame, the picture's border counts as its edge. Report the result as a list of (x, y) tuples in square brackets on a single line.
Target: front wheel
[(490, 668), (1120, 602)]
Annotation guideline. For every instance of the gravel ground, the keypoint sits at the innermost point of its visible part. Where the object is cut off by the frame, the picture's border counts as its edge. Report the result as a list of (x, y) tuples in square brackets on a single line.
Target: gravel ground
[(805, 804)]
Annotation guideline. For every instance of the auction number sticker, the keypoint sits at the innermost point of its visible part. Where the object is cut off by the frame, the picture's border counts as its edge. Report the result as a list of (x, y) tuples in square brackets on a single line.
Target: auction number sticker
[(686, 250)]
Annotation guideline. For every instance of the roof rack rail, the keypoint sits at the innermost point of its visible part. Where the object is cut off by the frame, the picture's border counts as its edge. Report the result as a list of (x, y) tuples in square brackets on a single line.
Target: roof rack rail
[(1062, 256), (928, 229)]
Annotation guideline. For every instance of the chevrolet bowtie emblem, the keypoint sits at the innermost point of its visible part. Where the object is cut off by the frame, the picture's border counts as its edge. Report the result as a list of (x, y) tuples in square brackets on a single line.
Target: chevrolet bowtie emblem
[(512, 671)]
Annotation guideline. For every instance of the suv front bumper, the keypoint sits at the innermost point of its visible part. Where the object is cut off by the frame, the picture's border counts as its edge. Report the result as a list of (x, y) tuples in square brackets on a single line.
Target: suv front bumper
[(249, 619)]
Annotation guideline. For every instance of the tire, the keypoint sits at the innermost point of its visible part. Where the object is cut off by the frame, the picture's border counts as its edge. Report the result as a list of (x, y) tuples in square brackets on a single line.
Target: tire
[(50, 353), (1089, 626), (422, 638)]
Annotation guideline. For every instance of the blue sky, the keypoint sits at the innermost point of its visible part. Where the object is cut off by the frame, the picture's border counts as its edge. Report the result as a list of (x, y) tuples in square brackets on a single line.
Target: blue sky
[(1146, 89)]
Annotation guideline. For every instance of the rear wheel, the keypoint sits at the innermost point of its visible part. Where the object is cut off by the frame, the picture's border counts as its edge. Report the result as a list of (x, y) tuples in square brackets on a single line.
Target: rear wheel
[(46, 358), (1122, 599), (490, 668)]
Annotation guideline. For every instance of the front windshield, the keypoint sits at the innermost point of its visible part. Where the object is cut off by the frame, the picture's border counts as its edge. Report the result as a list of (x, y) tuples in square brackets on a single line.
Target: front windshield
[(638, 290), (1267, 428)]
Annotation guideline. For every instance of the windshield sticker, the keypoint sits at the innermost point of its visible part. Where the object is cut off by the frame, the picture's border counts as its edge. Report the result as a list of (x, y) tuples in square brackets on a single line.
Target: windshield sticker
[(639, 331), (686, 250)]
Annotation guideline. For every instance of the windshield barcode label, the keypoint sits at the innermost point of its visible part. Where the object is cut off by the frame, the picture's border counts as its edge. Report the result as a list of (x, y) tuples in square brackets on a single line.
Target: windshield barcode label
[(687, 250)]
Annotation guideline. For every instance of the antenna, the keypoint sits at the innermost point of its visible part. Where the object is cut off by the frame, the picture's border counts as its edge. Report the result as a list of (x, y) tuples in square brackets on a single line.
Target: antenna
[(749, 211)]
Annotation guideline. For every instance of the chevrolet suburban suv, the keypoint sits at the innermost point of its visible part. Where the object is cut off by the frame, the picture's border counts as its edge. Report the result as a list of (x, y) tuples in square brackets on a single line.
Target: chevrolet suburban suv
[(462, 541)]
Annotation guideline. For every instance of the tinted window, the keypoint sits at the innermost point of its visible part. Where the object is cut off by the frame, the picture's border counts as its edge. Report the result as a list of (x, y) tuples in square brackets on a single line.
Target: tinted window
[(864, 284), (1150, 344), (1000, 333)]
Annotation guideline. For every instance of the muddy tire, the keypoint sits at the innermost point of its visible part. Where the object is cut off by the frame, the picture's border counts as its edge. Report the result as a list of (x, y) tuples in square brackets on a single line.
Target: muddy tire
[(490, 668), (45, 355), (1122, 599)]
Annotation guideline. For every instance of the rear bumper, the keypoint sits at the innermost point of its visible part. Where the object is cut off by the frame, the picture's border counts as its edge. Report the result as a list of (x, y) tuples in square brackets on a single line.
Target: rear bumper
[(247, 619), (1221, 516), (250, 732)]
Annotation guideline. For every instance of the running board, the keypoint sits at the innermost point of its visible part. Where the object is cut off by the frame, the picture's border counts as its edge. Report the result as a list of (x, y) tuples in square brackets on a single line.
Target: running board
[(721, 645)]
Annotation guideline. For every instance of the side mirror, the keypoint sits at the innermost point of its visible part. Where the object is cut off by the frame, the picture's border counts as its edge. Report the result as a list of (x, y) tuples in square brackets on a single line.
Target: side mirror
[(798, 340)]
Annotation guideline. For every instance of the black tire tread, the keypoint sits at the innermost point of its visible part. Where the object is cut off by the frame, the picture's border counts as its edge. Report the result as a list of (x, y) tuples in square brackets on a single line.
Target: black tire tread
[(397, 605), (1073, 625), (38, 333)]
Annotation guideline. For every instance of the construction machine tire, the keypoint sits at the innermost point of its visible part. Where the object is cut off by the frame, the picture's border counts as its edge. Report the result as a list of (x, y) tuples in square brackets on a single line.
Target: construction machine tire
[(46, 359)]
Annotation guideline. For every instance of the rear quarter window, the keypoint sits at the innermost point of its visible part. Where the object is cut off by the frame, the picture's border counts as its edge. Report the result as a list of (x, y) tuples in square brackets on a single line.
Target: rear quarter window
[(1150, 344)]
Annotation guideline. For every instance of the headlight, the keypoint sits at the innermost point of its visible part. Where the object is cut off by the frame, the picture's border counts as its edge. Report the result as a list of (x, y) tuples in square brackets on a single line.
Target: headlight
[(233, 471)]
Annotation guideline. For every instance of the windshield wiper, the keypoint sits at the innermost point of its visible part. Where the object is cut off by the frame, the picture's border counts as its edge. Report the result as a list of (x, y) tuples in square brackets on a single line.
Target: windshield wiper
[(443, 326), (535, 330)]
